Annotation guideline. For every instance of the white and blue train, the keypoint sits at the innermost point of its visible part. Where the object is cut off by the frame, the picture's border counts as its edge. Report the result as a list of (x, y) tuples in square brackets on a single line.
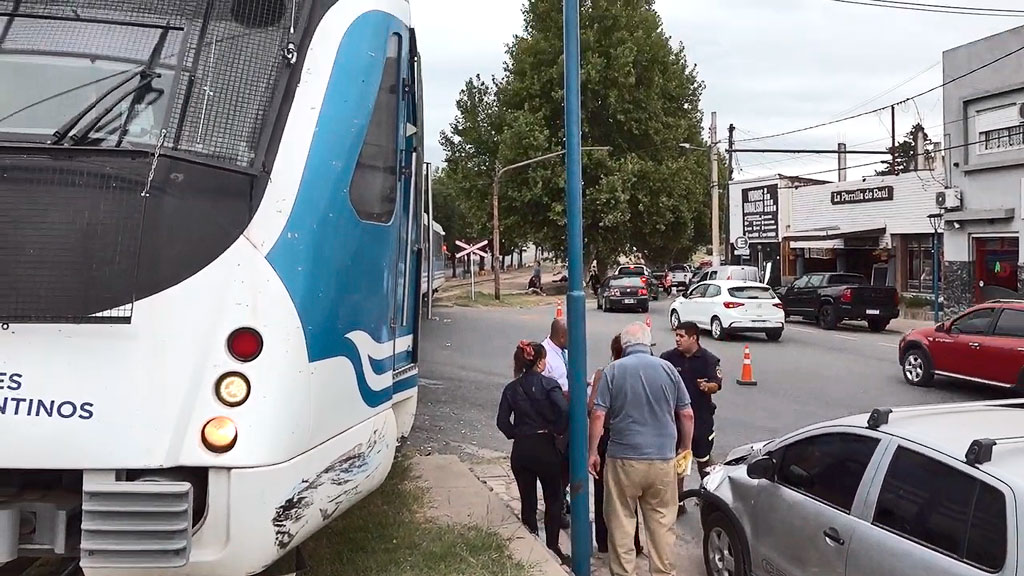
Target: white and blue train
[(213, 247)]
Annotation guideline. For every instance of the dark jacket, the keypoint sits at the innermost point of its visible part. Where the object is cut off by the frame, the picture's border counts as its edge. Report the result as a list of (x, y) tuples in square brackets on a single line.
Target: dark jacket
[(530, 404)]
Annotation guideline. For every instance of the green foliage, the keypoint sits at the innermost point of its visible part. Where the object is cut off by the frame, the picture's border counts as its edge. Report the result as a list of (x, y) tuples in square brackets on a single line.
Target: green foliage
[(904, 154), (640, 96)]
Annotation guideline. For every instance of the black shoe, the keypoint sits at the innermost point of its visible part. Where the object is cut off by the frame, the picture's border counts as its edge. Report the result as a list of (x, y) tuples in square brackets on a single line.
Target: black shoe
[(564, 558)]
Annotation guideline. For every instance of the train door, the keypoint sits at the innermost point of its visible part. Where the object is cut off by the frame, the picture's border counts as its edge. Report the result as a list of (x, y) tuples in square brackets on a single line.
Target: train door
[(409, 228)]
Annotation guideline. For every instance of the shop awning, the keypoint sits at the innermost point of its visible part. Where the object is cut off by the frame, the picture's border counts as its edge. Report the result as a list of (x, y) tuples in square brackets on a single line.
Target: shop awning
[(837, 232), (967, 215)]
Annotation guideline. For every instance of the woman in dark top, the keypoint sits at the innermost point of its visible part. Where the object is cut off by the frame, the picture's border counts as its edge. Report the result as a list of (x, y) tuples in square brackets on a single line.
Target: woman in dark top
[(532, 412), (600, 528)]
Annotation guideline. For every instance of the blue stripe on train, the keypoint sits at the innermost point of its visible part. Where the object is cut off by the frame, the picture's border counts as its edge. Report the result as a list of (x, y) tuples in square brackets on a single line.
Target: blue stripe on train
[(338, 270)]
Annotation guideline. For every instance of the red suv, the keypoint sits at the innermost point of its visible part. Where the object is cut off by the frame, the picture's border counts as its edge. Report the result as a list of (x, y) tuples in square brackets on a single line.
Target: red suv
[(984, 344)]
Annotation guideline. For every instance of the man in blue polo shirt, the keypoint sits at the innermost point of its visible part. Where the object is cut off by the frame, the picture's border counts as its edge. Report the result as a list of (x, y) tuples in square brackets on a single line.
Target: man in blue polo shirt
[(649, 423)]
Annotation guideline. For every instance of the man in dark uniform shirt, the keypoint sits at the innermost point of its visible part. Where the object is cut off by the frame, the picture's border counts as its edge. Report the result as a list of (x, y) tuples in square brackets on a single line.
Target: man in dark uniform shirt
[(701, 372)]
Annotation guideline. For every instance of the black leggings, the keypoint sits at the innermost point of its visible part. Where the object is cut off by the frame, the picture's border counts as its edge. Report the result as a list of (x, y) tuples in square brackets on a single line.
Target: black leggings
[(534, 457), (600, 527)]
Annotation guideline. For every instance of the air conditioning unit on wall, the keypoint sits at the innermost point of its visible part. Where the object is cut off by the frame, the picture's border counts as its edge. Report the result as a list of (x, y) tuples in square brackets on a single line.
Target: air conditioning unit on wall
[(948, 199)]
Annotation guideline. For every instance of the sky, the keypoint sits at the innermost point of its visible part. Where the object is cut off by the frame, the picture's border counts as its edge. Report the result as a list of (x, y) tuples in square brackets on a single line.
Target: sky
[(769, 66)]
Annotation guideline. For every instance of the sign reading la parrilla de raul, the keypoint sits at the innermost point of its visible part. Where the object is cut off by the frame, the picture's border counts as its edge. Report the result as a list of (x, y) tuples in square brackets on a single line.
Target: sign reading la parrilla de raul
[(861, 195)]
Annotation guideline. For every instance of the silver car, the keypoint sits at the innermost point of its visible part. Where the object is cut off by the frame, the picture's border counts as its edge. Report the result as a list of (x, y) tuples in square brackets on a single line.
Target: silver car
[(921, 490)]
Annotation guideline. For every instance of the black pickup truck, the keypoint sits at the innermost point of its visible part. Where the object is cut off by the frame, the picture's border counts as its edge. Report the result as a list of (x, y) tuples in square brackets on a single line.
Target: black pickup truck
[(833, 297)]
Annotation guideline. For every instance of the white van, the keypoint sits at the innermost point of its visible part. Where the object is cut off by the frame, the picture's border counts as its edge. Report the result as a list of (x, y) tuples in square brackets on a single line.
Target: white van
[(750, 273)]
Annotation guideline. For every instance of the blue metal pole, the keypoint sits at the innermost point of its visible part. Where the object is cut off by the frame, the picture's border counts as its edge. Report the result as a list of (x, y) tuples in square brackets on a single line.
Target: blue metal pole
[(935, 277), (576, 300)]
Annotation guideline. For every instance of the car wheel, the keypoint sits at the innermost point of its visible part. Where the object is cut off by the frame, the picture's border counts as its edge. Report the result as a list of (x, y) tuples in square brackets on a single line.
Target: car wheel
[(605, 308), (917, 369), (878, 325), (673, 319), (773, 335), (717, 330), (722, 554), (827, 317), (645, 308)]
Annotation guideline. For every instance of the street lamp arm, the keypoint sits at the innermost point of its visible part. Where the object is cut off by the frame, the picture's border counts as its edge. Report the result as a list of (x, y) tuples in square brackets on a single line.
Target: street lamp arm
[(544, 157)]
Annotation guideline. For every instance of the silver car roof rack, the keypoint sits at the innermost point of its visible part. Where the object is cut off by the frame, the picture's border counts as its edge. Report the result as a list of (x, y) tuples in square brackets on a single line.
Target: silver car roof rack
[(880, 416), (1004, 301), (980, 450)]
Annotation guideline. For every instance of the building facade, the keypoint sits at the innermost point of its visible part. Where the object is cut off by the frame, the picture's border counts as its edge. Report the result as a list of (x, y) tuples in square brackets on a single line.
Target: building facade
[(984, 135), (759, 211), (877, 226)]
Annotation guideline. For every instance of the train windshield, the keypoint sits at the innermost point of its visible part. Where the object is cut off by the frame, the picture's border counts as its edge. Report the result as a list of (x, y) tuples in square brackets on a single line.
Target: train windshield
[(119, 73)]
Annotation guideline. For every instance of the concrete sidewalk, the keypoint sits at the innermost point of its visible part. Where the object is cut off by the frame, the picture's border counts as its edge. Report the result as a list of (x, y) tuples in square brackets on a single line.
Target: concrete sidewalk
[(457, 497), (497, 475)]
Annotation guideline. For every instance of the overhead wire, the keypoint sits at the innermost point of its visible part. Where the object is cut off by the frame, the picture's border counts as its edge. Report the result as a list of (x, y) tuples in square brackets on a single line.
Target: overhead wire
[(881, 108), (965, 11)]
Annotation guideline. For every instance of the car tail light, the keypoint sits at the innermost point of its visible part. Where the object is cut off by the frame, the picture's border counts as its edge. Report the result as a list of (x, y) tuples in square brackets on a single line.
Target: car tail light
[(779, 306), (731, 305), (642, 291), (245, 344), (846, 296), (896, 298)]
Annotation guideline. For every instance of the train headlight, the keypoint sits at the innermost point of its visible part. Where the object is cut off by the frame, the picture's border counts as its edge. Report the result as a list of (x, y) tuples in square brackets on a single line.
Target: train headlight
[(233, 389), (220, 434)]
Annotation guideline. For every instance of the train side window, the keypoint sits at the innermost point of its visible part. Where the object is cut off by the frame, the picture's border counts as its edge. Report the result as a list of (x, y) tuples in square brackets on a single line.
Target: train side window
[(374, 189)]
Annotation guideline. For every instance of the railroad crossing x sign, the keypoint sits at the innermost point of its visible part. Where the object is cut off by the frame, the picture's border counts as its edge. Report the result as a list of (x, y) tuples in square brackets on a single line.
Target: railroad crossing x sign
[(471, 249)]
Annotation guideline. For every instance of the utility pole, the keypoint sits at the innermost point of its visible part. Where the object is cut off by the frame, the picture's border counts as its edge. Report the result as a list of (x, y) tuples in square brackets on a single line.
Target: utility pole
[(495, 244), (728, 178), (892, 110), (716, 252)]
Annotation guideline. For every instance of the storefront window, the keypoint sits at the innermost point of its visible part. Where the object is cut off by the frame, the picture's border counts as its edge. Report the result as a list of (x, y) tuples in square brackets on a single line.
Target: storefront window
[(919, 264), (995, 268)]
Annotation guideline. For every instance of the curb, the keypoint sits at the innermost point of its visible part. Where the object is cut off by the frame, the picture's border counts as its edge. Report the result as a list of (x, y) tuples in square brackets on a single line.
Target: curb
[(458, 497)]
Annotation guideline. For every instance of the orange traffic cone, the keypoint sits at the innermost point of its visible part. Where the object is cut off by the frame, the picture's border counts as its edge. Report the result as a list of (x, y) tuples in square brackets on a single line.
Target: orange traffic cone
[(747, 375), (648, 321), (558, 311)]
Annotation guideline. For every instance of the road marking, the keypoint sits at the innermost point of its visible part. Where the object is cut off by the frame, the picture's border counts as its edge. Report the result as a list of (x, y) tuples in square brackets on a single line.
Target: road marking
[(809, 331), (845, 337), (888, 344)]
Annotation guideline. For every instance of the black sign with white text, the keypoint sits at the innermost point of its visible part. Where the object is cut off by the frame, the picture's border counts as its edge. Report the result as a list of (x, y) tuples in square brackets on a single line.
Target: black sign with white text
[(761, 212), (861, 195)]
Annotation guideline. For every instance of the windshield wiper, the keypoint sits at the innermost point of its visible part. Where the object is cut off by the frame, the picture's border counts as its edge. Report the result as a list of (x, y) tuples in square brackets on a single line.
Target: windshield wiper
[(146, 74)]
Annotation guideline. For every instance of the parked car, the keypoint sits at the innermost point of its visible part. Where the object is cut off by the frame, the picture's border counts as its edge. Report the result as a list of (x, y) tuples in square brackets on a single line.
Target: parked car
[(897, 492), (750, 273), (731, 307), (623, 292), (642, 271), (833, 297), (985, 344), (681, 275)]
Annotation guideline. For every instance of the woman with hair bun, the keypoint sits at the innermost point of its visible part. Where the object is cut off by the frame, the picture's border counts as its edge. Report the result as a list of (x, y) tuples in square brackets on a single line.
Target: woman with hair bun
[(532, 412)]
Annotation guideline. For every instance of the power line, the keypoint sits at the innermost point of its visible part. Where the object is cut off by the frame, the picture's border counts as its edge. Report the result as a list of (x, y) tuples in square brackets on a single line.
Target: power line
[(890, 90), (879, 109), (975, 8), (963, 10)]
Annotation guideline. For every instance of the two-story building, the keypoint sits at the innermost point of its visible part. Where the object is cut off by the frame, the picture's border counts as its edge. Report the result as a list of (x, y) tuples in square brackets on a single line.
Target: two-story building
[(983, 109)]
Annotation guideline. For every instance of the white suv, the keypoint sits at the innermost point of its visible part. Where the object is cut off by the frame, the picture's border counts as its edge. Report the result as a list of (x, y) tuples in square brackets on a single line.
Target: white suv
[(921, 490)]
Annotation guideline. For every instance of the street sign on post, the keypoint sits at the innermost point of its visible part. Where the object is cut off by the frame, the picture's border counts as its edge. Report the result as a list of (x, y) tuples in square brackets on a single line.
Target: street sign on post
[(468, 252), (741, 242)]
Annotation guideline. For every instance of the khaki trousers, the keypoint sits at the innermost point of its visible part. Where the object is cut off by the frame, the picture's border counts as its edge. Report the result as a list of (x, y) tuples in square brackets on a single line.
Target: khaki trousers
[(652, 485)]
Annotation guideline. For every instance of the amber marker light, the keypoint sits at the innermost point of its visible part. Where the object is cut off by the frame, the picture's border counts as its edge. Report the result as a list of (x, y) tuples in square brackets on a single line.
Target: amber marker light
[(220, 434)]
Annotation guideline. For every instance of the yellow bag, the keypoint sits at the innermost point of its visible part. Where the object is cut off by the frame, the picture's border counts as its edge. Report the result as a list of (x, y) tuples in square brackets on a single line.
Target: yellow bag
[(684, 463)]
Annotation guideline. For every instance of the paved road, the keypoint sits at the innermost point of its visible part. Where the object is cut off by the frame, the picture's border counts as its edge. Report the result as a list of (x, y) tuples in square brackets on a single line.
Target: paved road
[(808, 376)]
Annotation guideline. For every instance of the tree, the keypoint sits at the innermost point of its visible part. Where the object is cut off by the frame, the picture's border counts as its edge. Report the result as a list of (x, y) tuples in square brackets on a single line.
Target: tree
[(639, 95), (904, 153)]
